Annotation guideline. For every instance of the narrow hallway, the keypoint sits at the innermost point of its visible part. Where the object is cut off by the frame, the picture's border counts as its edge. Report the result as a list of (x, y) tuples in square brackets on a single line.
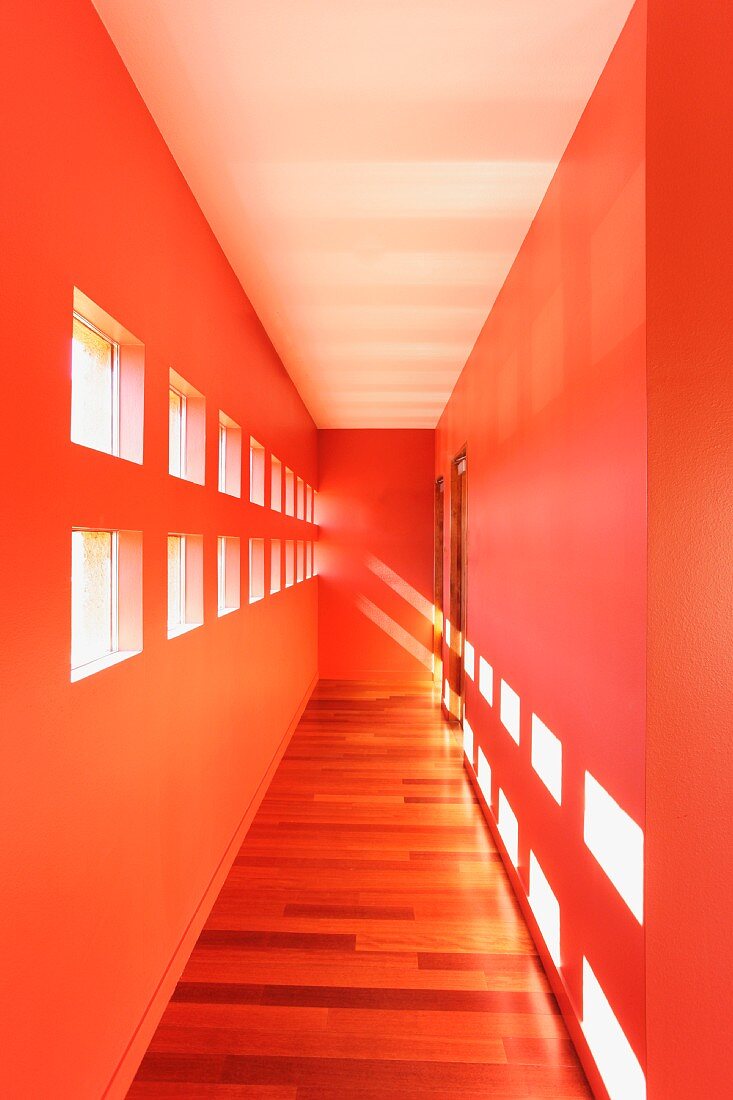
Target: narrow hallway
[(366, 943)]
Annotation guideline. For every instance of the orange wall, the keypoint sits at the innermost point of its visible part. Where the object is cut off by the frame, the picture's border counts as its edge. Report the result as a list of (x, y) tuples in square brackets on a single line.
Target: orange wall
[(121, 792), (551, 405), (375, 509), (690, 717)]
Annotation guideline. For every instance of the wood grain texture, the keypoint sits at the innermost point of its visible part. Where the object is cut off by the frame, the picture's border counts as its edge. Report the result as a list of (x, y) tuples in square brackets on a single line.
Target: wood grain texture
[(366, 943)]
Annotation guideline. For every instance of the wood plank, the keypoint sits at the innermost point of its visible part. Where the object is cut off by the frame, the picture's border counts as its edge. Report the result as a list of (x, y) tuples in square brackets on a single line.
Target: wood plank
[(366, 943)]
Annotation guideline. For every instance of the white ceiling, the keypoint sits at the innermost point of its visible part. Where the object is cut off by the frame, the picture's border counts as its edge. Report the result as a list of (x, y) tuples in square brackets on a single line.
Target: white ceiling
[(370, 167)]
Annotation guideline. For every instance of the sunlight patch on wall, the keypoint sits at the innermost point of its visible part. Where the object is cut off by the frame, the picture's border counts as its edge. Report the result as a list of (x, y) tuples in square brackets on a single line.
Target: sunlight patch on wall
[(399, 585), (484, 776), (396, 632), (545, 907), (547, 757), (617, 842), (510, 710), (468, 740), (617, 1064), (486, 680), (508, 827), (468, 659)]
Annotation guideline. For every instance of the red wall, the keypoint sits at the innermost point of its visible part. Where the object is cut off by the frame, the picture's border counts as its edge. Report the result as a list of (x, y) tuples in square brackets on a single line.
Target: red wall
[(690, 717), (375, 557), (121, 792), (551, 405)]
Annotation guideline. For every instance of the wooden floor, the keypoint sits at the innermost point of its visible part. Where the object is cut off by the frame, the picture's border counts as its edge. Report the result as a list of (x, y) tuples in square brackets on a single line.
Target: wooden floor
[(366, 943)]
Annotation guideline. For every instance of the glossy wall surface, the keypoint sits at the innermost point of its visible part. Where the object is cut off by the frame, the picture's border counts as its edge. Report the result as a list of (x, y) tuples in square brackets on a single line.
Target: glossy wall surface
[(375, 510), (121, 792), (552, 409)]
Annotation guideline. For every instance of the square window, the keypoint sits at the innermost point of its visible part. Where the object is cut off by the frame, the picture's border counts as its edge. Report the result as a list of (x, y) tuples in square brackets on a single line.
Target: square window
[(289, 563), (228, 573), (106, 599), (185, 583), (230, 456), (107, 378), (186, 430), (256, 472), (275, 565), (289, 492), (256, 570), (276, 485)]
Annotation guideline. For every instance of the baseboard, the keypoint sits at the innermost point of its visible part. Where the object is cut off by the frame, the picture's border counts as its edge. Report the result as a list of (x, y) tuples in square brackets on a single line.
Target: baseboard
[(553, 975), (127, 1067)]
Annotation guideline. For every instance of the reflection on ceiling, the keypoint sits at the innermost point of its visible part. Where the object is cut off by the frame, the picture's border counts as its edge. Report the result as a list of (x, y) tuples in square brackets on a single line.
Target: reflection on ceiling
[(370, 167)]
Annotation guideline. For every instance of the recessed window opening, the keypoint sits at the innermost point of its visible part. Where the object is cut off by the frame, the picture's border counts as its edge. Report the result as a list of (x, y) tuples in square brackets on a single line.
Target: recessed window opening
[(301, 499), (185, 583), (289, 563), (106, 599), (176, 432), (308, 560), (276, 484), (186, 430), (309, 504), (107, 376), (275, 566), (256, 570), (230, 456), (300, 575), (95, 394), (94, 604), (228, 574), (289, 492), (256, 472)]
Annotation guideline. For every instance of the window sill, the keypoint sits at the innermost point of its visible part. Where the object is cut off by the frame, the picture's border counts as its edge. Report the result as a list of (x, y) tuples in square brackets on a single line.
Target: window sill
[(176, 631), (256, 599), (89, 669), (226, 611)]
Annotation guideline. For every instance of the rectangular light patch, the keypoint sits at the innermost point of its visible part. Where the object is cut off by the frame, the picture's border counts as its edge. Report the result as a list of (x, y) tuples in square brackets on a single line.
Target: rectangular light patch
[(484, 776), (547, 757), (508, 828), (468, 740), (468, 659), (486, 680), (509, 711), (545, 907), (617, 1064), (617, 842)]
